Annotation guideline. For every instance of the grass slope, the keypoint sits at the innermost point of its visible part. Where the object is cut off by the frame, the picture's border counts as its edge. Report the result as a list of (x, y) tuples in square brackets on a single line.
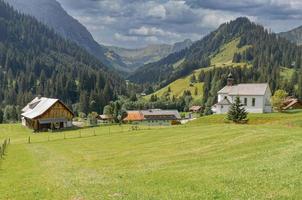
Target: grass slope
[(179, 86), (226, 53), (207, 159), (223, 58)]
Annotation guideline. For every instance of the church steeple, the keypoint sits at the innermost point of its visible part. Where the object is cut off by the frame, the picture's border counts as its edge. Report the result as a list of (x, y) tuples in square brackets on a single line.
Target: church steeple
[(230, 80)]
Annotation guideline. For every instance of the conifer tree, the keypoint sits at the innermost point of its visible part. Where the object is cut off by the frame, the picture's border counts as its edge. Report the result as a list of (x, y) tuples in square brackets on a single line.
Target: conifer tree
[(1, 116), (237, 112)]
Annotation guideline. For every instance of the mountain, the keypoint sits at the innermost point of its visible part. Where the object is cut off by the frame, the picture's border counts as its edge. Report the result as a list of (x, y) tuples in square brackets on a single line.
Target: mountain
[(294, 35), (51, 13), (136, 58), (34, 60), (245, 49), (250, 43)]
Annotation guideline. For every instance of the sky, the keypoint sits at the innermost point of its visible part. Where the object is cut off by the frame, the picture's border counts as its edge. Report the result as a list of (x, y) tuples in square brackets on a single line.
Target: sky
[(138, 23)]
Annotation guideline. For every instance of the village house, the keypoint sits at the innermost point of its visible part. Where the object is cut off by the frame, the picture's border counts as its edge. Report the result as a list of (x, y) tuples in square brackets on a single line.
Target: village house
[(254, 96), (45, 113), (153, 117), (195, 109), (291, 103), (105, 119)]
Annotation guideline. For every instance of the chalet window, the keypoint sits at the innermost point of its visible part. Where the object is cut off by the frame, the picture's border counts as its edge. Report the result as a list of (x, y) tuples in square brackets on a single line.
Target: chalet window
[(245, 101), (253, 102), (225, 97), (221, 106)]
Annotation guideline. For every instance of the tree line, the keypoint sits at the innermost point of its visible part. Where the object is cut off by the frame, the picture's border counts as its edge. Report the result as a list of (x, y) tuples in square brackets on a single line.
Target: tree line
[(34, 60)]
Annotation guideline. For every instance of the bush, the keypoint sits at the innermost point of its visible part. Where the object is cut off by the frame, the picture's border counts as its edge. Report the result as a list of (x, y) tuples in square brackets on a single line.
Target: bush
[(278, 100), (92, 119)]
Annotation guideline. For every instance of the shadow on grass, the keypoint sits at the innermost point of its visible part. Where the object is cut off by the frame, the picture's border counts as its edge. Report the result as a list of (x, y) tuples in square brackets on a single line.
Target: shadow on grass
[(292, 111)]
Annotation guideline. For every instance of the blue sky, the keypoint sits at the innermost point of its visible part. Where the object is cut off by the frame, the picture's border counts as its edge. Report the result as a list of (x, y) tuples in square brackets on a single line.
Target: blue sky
[(137, 23)]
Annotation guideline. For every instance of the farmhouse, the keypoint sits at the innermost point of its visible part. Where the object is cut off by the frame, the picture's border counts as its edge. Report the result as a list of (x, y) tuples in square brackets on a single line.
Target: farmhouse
[(153, 117), (105, 118), (195, 109), (45, 113), (254, 96), (292, 103)]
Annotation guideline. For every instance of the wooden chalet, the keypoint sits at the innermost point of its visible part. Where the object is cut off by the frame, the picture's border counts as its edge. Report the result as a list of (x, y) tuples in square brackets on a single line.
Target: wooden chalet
[(46, 113), (292, 103)]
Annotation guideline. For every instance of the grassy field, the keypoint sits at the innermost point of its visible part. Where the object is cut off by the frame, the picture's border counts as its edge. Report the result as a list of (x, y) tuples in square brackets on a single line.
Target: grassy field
[(206, 159)]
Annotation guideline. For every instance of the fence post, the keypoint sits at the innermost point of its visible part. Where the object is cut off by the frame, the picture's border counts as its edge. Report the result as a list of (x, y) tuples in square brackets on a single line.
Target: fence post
[(80, 134), (64, 135), (28, 139), (94, 132)]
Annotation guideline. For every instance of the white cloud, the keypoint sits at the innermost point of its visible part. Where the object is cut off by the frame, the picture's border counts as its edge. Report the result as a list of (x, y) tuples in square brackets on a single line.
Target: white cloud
[(137, 23), (107, 19), (157, 11), (152, 39), (152, 31), (124, 38)]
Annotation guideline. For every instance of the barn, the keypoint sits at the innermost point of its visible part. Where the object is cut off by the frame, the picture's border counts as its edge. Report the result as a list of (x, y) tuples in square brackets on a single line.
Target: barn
[(156, 117), (46, 113)]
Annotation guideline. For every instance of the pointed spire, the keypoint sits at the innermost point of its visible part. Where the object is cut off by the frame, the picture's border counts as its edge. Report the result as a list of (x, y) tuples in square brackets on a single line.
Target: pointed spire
[(230, 80)]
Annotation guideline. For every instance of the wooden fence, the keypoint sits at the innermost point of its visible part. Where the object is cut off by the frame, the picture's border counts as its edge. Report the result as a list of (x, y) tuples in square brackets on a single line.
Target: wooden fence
[(3, 147)]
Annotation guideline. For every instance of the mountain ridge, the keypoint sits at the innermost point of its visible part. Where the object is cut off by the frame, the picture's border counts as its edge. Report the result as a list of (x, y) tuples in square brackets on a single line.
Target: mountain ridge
[(51, 13), (294, 35), (151, 53), (239, 43), (35, 60)]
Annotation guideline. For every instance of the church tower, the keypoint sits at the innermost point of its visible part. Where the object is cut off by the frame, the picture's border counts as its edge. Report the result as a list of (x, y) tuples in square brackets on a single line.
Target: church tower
[(230, 80)]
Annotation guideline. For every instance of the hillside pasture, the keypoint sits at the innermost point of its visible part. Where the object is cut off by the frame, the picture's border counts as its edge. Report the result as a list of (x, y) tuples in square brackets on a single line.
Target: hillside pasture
[(205, 159), (223, 58)]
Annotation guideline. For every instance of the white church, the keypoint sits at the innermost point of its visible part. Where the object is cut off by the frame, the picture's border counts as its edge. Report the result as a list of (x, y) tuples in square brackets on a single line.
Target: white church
[(254, 96)]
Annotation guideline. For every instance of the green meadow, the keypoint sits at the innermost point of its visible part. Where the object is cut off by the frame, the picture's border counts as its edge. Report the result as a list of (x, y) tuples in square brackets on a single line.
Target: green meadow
[(205, 159)]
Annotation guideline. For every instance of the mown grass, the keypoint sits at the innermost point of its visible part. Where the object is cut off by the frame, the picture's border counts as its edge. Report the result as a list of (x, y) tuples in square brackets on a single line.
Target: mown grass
[(206, 159)]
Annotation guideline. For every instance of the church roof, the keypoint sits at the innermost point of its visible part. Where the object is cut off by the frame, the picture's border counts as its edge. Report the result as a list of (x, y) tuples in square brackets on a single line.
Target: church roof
[(245, 89)]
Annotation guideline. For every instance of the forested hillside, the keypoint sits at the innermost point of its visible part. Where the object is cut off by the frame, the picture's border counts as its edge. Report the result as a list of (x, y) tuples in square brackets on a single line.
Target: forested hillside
[(36, 61), (266, 53), (51, 13), (247, 50)]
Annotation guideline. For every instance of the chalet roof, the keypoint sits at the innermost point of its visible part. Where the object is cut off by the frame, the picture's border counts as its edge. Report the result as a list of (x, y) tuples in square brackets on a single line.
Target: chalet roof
[(158, 112), (195, 108), (134, 116), (38, 106), (290, 102), (245, 89), (224, 102), (152, 114), (106, 117)]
